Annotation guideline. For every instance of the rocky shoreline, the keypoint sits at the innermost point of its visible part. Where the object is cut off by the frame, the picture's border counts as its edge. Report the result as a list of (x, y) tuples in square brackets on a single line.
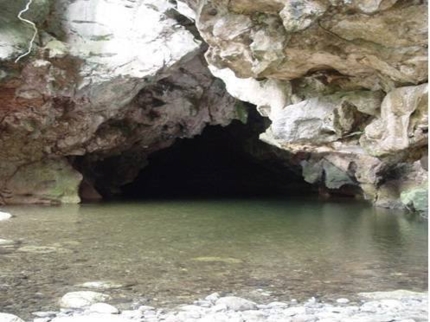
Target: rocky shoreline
[(394, 306)]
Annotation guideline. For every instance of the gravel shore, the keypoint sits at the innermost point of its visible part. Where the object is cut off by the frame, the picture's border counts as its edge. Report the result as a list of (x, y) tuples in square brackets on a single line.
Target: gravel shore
[(395, 306)]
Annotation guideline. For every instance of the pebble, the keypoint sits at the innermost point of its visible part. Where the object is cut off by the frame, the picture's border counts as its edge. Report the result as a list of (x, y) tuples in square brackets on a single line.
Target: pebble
[(5, 215)]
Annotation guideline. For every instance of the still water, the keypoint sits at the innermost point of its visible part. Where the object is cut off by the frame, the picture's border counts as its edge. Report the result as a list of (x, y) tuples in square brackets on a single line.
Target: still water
[(171, 252)]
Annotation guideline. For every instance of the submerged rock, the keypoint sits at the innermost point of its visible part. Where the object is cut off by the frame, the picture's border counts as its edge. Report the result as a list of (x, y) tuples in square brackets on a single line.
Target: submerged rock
[(209, 259), (7, 242), (5, 216), (82, 299), (103, 285)]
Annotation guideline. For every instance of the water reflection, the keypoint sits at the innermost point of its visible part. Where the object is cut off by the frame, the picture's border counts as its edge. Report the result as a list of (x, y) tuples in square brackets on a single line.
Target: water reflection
[(175, 251)]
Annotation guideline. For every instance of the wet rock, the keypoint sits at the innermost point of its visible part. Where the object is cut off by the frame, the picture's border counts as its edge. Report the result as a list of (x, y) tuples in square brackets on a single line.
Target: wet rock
[(49, 181), (5, 216), (76, 300), (416, 199), (5, 317), (236, 303)]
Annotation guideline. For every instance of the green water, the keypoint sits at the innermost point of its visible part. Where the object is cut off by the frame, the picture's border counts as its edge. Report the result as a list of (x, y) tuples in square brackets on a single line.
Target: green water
[(171, 252)]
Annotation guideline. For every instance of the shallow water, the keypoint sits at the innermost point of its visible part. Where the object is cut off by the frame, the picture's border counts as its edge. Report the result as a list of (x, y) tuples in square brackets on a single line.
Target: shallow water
[(175, 251)]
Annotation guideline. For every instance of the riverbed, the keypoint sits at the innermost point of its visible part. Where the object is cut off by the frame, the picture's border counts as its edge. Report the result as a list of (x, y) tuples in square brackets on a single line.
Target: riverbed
[(168, 252)]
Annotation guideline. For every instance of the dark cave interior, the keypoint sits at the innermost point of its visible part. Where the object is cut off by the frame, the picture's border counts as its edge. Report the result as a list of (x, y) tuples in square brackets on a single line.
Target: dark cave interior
[(214, 164)]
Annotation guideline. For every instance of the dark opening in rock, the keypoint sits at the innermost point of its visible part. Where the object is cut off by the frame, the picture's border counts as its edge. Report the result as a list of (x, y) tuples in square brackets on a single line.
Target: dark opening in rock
[(218, 163)]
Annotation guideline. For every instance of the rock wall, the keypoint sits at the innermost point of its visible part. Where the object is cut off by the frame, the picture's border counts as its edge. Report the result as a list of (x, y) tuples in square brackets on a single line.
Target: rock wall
[(105, 80), (344, 84)]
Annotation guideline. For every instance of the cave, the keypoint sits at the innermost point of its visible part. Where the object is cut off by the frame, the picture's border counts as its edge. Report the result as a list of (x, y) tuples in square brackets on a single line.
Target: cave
[(214, 164)]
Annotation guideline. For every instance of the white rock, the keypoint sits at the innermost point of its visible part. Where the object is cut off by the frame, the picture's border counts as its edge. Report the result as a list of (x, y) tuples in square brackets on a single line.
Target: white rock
[(130, 314), (42, 320), (92, 318), (213, 297), (76, 300), (104, 308), (5, 215), (5, 317), (294, 311), (144, 308), (203, 303), (342, 301), (236, 303), (391, 304)]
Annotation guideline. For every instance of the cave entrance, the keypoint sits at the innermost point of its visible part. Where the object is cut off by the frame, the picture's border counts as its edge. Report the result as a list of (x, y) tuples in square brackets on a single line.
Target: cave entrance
[(215, 164)]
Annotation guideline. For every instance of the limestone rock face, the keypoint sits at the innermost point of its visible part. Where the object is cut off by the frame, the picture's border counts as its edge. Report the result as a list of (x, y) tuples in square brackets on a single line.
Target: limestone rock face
[(107, 83), (402, 124), (103, 77), (341, 81)]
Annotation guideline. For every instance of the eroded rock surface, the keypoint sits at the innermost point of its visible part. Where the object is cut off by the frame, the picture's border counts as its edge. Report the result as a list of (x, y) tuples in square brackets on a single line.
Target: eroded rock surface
[(103, 78), (107, 83), (343, 83)]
